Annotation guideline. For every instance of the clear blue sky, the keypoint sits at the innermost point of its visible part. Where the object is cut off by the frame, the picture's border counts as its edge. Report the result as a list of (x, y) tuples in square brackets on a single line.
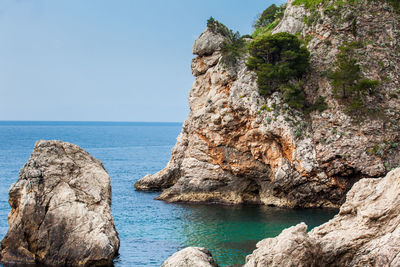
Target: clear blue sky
[(105, 60)]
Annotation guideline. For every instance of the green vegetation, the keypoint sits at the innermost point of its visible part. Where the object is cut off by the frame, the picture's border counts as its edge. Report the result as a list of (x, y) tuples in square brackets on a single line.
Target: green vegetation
[(234, 46), (308, 3), (269, 15), (279, 61), (232, 50), (313, 17), (395, 4), (339, 3), (219, 28), (268, 19), (293, 94), (349, 85), (320, 105)]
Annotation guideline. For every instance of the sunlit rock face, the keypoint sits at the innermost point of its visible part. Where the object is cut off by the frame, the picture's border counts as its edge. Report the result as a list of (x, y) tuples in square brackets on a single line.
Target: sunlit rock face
[(191, 257), (366, 232), (60, 210), (237, 146)]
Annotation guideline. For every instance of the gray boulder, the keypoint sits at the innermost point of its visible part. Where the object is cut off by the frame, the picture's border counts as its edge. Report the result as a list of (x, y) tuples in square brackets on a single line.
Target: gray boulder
[(191, 257), (208, 43), (292, 247), (60, 210)]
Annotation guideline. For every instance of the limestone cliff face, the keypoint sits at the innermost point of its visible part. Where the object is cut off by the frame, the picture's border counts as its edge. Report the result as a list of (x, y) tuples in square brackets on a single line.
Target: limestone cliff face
[(238, 147)]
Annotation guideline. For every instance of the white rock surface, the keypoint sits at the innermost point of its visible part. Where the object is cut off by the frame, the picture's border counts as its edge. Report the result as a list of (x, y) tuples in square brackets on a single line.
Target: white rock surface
[(191, 257), (60, 210), (207, 43)]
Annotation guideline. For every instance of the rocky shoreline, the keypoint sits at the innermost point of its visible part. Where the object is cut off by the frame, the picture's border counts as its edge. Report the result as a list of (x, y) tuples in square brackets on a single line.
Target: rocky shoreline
[(366, 232), (238, 146)]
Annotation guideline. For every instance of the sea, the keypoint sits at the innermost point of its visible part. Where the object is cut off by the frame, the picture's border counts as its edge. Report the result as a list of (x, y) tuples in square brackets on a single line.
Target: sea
[(150, 230)]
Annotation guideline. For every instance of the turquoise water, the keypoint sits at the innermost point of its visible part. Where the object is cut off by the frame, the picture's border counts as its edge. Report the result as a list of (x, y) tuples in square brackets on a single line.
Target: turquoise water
[(150, 230)]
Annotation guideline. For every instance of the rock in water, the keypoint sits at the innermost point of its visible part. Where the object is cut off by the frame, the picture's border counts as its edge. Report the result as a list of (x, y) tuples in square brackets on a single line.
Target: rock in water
[(191, 257), (60, 210), (366, 232), (237, 146)]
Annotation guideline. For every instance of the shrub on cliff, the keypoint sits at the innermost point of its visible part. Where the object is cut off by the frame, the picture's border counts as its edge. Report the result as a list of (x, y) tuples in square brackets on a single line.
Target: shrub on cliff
[(269, 15), (233, 47), (293, 94), (268, 19), (277, 59), (219, 28), (349, 85)]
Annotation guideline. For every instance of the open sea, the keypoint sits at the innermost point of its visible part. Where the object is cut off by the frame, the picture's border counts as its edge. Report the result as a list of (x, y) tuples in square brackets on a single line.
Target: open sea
[(150, 230)]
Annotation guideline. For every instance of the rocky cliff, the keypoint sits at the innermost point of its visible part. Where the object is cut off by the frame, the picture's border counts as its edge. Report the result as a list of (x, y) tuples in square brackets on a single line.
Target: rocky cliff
[(60, 210), (237, 146)]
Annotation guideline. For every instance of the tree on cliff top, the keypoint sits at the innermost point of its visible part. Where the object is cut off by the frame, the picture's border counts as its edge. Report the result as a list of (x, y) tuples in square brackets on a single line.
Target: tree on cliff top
[(269, 15)]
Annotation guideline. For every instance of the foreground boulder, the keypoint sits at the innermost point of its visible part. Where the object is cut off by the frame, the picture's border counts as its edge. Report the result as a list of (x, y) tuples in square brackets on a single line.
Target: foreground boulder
[(191, 257), (60, 210), (366, 232), (292, 247)]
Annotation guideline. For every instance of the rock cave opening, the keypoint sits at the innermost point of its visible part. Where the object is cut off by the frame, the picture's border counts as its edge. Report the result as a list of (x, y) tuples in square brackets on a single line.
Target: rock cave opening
[(251, 194)]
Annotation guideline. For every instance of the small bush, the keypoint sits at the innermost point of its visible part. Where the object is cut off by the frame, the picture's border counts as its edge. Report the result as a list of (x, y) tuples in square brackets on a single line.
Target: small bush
[(232, 50), (395, 4), (217, 27), (269, 15), (320, 105), (277, 59), (247, 36), (234, 45), (293, 94), (348, 84)]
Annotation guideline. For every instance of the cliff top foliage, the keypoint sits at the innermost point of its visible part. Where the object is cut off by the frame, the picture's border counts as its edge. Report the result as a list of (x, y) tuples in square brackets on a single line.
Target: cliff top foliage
[(269, 15), (314, 3), (280, 60), (268, 19), (233, 47), (219, 28)]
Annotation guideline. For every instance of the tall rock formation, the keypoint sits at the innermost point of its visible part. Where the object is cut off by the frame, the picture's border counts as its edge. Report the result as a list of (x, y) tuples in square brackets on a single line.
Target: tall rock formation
[(60, 210), (237, 146)]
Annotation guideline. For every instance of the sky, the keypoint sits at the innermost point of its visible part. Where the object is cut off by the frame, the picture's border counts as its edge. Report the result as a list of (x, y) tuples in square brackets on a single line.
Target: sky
[(114, 60)]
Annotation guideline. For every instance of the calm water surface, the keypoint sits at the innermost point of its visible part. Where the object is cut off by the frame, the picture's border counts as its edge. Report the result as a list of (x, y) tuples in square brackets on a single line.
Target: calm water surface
[(150, 230)]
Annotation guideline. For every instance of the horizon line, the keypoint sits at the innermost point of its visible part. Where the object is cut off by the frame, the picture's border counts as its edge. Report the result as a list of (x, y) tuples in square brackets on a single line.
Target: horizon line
[(90, 121)]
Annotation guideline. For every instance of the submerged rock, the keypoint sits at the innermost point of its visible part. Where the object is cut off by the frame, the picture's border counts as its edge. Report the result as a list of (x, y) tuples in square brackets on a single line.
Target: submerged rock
[(60, 210), (191, 257), (366, 232)]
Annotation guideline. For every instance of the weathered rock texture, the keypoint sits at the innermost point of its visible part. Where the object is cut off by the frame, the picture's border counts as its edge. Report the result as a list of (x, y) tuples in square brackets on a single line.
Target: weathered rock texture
[(191, 257), (366, 232), (234, 150), (60, 210)]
